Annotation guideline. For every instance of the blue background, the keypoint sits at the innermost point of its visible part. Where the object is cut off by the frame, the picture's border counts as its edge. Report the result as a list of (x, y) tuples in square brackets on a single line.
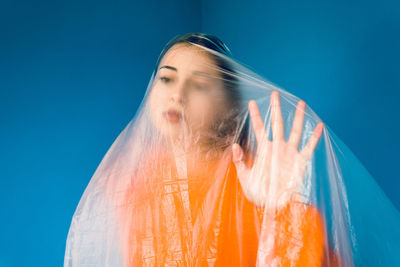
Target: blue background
[(73, 73)]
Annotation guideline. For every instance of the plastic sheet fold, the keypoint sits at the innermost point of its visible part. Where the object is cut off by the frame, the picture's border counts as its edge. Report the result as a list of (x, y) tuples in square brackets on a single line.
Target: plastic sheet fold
[(220, 167)]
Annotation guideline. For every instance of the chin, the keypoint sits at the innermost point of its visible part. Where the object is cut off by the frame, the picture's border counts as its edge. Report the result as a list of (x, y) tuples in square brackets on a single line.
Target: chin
[(174, 132)]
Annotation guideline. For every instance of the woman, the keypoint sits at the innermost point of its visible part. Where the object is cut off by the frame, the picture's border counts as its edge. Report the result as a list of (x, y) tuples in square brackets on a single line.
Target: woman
[(188, 102), (209, 173)]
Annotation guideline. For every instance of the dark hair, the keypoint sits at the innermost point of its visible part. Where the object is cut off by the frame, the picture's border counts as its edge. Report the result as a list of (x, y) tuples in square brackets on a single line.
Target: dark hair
[(227, 125), (209, 41)]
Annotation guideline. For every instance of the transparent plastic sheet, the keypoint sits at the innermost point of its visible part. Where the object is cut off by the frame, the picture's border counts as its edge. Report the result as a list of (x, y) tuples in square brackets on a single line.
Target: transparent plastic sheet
[(195, 179)]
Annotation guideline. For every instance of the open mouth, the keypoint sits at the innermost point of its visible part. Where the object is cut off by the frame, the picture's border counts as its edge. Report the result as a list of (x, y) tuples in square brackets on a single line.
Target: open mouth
[(172, 115)]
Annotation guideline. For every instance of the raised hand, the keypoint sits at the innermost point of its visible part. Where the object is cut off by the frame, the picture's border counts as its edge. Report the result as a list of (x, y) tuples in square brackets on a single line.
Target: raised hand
[(279, 167)]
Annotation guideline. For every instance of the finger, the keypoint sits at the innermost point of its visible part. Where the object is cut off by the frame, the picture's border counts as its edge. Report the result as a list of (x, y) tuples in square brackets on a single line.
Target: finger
[(276, 117), (238, 160), (314, 139), (297, 128), (257, 122)]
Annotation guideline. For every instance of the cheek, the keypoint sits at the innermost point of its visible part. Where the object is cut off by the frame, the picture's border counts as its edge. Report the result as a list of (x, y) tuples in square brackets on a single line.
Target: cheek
[(155, 101), (204, 109)]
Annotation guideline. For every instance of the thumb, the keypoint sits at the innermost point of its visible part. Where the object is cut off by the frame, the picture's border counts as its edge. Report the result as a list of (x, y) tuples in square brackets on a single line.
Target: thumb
[(238, 160)]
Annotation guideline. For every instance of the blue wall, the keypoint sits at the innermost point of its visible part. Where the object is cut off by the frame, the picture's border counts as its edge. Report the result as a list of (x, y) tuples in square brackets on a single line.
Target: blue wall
[(341, 57), (73, 73)]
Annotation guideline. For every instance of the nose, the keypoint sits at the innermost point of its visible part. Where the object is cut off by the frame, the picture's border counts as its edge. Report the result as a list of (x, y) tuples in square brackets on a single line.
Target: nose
[(178, 93)]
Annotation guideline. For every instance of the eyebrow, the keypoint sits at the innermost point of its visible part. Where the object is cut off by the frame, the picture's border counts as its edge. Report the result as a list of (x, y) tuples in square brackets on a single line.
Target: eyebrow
[(168, 67), (200, 73)]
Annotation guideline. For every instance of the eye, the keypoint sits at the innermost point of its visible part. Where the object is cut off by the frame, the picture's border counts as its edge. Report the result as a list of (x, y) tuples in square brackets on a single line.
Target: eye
[(200, 86), (165, 79)]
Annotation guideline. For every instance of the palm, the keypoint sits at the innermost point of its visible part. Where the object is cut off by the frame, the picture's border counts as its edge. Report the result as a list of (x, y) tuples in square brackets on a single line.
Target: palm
[(279, 167)]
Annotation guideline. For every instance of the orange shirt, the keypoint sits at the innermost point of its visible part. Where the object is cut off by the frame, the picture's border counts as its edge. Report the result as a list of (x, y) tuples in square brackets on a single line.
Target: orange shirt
[(204, 219)]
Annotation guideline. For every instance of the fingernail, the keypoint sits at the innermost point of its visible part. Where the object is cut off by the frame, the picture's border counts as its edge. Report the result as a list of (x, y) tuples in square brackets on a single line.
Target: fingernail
[(321, 127), (238, 153), (276, 97)]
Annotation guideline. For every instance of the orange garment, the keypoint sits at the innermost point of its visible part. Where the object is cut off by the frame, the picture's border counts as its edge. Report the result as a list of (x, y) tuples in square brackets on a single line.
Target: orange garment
[(204, 219)]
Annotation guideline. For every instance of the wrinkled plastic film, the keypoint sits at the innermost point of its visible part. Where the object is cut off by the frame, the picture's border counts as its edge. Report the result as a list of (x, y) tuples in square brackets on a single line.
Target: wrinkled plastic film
[(170, 192)]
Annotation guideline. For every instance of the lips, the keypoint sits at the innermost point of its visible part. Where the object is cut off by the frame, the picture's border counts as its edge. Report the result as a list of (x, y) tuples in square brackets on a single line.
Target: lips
[(172, 115)]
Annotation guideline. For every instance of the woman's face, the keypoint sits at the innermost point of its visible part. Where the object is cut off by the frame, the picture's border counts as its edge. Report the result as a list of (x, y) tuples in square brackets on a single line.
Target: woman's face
[(187, 94)]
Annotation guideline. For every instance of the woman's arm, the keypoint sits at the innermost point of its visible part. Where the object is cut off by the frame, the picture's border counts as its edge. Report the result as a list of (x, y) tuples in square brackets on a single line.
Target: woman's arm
[(292, 231), (292, 235)]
